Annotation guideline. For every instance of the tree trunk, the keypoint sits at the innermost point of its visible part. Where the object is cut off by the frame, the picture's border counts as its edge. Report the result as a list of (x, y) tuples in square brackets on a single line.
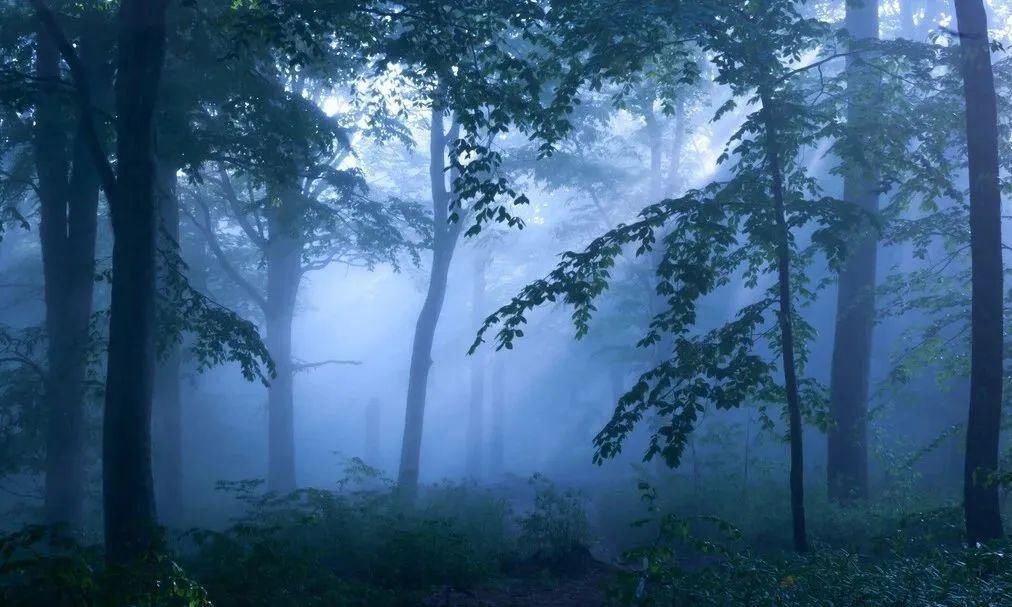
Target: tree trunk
[(130, 519), (783, 253), (476, 412), (983, 516), (497, 431), (284, 269), (445, 241), (67, 227), (372, 433), (168, 422), (847, 452)]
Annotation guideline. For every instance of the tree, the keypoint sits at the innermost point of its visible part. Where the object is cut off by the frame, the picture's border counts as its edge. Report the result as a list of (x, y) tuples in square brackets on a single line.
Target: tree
[(128, 496), (476, 409), (980, 496), (444, 242), (267, 162), (847, 453), (68, 188), (746, 228), (167, 405)]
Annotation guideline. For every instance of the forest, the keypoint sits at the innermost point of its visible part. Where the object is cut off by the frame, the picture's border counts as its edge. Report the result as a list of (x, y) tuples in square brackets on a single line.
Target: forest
[(494, 303)]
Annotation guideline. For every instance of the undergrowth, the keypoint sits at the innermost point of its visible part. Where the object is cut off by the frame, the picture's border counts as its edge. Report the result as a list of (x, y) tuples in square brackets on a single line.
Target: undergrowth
[(365, 544)]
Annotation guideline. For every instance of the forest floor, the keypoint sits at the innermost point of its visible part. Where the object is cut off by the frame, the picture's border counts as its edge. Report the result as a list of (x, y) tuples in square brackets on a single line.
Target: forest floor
[(587, 590)]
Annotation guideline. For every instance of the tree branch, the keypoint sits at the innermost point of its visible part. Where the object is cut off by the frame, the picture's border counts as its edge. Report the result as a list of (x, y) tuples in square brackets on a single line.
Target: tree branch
[(226, 265), (304, 366), (233, 202)]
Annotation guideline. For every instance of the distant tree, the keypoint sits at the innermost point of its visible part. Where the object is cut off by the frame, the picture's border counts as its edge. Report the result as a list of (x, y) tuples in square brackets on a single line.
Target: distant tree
[(474, 464)]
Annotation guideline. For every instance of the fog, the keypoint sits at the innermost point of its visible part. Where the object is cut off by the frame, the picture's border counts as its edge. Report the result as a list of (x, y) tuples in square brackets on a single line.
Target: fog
[(552, 302)]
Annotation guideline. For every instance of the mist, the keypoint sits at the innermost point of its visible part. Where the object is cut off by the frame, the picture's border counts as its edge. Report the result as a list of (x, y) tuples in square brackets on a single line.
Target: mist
[(543, 302)]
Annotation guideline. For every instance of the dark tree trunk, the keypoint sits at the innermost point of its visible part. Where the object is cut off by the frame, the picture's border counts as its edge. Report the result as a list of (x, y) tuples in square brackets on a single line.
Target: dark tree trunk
[(168, 414), (284, 272), (130, 519), (783, 253), (476, 411), (983, 516), (67, 226), (497, 429), (847, 453), (445, 241)]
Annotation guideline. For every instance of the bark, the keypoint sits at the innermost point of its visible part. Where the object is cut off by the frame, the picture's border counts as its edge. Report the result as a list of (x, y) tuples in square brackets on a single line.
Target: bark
[(783, 254), (68, 189), (847, 452), (983, 516), (168, 422), (476, 411), (284, 271), (129, 506), (445, 241), (497, 429)]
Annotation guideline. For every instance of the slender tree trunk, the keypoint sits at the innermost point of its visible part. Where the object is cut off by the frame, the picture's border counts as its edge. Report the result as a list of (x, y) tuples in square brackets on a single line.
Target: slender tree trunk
[(476, 412), (283, 276), (445, 242), (983, 516), (497, 430), (168, 415), (130, 519), (847, 453), (372, 433), (785, 314)]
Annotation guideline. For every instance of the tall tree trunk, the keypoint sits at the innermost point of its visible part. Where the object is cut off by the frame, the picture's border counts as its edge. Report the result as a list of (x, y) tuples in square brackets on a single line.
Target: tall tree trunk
[(980, 497), (476, 411), (130, 519), (497, 429), (284, 269), (67, 228), (445, 241), (847, 453), (783, 253), (168, 414)]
